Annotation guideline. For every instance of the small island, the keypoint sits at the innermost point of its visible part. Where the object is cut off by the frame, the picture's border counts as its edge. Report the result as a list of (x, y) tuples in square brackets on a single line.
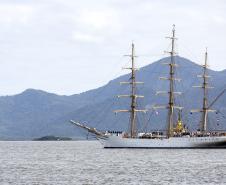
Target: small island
[(52, 138)]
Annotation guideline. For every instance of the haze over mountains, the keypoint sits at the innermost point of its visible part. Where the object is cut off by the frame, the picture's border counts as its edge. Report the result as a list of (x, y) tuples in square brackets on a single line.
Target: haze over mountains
[(35, 113)]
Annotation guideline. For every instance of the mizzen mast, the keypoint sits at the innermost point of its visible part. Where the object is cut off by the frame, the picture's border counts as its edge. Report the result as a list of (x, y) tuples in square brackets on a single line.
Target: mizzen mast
[(205, 108), (133, 107)]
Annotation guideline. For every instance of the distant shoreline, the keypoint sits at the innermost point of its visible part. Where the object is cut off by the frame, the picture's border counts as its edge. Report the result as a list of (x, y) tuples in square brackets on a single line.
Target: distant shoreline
[(52, 138), (47, 138)]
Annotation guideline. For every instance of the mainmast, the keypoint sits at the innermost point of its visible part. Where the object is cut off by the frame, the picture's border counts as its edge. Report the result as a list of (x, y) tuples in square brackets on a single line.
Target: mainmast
[(171, 80), (133, 97), (171, 93), (133, 107), (205, 108)]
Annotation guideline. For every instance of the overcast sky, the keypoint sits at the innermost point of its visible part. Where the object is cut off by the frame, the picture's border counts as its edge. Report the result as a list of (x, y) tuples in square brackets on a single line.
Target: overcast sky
[(70, 46)]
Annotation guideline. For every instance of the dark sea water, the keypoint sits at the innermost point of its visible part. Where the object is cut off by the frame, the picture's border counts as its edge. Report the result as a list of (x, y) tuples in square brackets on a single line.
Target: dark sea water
[(86, 162)]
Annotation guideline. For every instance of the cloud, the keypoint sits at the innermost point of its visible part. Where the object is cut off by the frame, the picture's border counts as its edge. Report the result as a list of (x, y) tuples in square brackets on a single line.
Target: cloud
[(10, 13), (219, 19), (71, 34), (83, 37), (97, 20), (96, 25)]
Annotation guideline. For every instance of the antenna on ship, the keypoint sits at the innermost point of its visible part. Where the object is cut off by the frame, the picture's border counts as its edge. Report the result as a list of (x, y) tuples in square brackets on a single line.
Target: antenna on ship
[(205, 108), (171, 93), (133, 107)]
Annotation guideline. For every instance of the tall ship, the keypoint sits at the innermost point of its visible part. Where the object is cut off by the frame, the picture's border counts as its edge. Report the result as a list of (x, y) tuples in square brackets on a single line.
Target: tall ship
[(176, 134)]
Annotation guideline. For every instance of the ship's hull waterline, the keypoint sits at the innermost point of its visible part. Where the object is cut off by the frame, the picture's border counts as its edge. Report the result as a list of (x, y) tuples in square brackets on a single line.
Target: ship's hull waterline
[(173, 142)]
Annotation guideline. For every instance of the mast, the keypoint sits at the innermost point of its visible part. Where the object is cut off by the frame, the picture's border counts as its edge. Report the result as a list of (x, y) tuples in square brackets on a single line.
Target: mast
[(205, 108), (205, 103), (133, 106), (171, 93), (171, 80), (133, 98)]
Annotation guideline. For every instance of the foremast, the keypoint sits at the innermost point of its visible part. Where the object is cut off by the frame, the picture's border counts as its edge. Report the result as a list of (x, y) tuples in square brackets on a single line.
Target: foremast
[(205, 107), (133, 107), (171, 93)]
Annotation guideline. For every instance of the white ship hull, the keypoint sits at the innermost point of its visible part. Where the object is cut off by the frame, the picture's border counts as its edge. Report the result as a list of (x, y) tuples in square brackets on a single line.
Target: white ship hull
[(173, 142)]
